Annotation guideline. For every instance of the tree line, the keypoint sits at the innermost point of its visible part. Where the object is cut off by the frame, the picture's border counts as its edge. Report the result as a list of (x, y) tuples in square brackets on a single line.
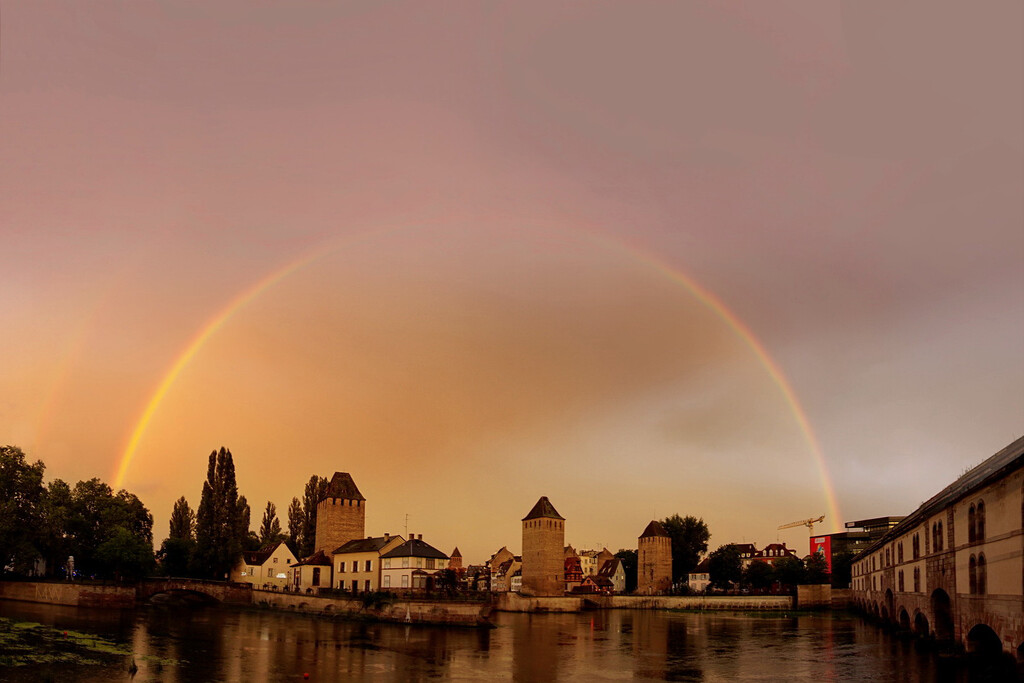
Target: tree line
[(109, 535), (207, 542)]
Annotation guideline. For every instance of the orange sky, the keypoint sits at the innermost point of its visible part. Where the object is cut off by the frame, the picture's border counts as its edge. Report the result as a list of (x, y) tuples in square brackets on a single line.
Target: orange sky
[(485, 190)]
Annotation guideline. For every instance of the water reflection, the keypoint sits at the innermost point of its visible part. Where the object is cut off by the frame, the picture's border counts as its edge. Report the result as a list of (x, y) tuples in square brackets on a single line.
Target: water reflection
[(217, 644)]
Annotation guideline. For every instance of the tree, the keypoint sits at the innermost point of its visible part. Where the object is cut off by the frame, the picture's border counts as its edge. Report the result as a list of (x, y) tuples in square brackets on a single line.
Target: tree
[(690, 538), (270, 528), (789, 571), (55, 541), (177, 549), (816, 569), (124, 555), (758, 575), (21, 493), (724, 566), (629, 561), (219, 521), (247, 537), (316, 489), (295, 521), (842, 569)]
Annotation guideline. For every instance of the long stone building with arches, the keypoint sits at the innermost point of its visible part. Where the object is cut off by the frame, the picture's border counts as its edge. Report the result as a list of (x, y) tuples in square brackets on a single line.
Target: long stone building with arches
[(953, 570)]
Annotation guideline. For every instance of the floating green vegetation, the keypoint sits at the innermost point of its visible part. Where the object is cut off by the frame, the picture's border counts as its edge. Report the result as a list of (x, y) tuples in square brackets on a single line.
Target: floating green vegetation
[(24, 643)]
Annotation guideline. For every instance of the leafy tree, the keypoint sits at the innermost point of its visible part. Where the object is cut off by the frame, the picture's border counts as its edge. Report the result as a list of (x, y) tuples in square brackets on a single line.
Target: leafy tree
[(21, 492), (690, 538), (758, 575), (55, 540), (98, 515), (724, 566), (177, 549), (316, 489), (816, 569), (842, 569), (270, 528), (790, 571), (629, 561), (295, 521), (125, 555), (220, 520)]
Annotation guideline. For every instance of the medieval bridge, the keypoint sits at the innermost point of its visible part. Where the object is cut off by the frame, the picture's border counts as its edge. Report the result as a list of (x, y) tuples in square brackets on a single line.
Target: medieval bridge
[(228, 592)]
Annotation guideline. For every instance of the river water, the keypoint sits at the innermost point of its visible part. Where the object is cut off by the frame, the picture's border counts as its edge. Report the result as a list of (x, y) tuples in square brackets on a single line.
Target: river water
[(221, 644)]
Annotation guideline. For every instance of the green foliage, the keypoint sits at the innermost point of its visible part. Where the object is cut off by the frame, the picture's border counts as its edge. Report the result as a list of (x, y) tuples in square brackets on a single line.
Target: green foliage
[(295, 521), (690, 538), (758, 575), (842, 569), (270, 527), (222, 521), (790, 571), (816, 569), (125, 555), (183, 521), (724, 566), (629, 561), (316, 489), (21, 494)]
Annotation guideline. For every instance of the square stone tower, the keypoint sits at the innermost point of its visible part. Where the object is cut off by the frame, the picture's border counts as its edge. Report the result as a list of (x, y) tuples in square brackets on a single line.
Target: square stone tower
[(340, 515), (654, 560), (543, 550)]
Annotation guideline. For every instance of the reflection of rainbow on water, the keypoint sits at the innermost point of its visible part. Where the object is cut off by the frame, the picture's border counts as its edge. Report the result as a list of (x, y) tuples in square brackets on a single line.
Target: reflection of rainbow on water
[(708, 299)]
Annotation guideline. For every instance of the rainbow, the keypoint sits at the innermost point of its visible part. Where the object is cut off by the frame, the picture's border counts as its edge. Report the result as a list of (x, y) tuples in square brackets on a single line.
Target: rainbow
[(705, 297)]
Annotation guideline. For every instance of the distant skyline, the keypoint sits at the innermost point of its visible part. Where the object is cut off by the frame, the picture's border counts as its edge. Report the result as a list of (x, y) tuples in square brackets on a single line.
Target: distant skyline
[(641, 259)]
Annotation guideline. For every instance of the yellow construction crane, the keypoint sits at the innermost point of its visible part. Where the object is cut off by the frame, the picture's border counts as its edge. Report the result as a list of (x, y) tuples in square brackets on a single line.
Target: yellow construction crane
[(809, 523)]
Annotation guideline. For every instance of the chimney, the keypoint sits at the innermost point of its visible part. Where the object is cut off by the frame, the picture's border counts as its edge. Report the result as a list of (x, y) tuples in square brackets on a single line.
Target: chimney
[(386, 535), (420, 537)]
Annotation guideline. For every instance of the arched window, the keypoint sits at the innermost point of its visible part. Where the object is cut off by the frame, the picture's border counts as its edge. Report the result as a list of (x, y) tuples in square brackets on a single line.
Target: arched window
[(899, 553), (972, 575), (938, 539), (971, 517), (982, 575), (979, 532), (886, 557), (901, 581), (916, 546), (917, 579)]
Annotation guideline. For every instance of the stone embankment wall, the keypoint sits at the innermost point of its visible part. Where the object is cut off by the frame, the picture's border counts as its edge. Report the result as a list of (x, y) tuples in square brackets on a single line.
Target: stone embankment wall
[(694, 602), (403, 611), (514, 602), (72, 594), (814, 597)]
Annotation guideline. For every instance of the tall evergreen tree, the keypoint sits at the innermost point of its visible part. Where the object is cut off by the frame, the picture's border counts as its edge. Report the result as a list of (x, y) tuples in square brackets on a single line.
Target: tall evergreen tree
[(270, 528), (295, 520), (218, 521), (177, 549), (316, 489)]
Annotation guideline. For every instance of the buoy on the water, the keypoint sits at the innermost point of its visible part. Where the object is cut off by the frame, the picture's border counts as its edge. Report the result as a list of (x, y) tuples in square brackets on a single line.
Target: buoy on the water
[(65, 634), (306, 676)]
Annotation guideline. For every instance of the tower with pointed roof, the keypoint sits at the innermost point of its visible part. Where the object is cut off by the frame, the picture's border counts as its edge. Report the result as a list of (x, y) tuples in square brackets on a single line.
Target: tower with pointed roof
[(543, 550), (654, 560), (340, 515)]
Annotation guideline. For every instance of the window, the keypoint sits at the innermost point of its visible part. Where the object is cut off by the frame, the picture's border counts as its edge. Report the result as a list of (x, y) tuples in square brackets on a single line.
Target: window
[(316, 576), (430, 563), (899, 553), (369, 565), (901, 587), (366, 585), (917, 579), (341, 567), (387, 581), (341, 585), (405, 581), (980, 531), (405, 563), (916, 546), (972, 575), (971, 519), (387, 563), (982, 574), (275, 560)]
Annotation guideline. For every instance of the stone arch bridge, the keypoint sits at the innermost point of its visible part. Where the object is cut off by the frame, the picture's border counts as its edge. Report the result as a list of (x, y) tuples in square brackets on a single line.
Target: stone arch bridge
[(228, 592)]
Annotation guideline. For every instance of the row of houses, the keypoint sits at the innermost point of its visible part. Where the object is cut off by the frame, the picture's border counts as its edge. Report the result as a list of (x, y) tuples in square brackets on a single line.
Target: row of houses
[(700, 578)]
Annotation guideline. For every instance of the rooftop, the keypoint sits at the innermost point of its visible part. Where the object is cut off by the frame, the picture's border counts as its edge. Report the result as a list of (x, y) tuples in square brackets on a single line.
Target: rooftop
[(414, 547), (543, 508), (342, 486), (654, 529), (366, 545)]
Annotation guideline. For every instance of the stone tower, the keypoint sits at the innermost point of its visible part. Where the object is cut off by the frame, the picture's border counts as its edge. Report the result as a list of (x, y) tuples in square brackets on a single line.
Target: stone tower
[(340, 515), (543, 550), (654, 561)]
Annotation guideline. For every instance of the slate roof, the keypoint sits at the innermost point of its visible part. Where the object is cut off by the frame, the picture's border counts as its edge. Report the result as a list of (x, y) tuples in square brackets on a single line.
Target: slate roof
[(653, 529), (544, 509), (365, 545), (415, 548), (456, 553), (703, 567), (609, 567), (999, 465), (317, 559), (260, 556), (342, 486)]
